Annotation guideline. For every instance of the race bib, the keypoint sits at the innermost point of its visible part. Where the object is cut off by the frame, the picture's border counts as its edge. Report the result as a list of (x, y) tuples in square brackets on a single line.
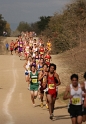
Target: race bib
[(37, 60), (27, 50), (47, 60), (20, 45), (41, 52), (31, 44), (34, 80), (75, 101), (51, 86)]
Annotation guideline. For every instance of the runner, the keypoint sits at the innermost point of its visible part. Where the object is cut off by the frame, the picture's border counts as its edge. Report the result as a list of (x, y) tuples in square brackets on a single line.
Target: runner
[(43, 84), (31, 42), (27, 69), (11, 47), (35, 49), (42, 50), (49, 45), (34, 85), (74, 94), (37, 57), (84, 112), (34, 42), (52, 81), (20, 46), (26, 51), (16, 45), (40, 64), (33, 62), (47, 58)]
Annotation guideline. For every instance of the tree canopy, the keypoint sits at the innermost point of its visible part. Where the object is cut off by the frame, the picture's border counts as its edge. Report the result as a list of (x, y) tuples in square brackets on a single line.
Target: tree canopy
[(43, 22), (68, 28), (2, 24), (23, 26)]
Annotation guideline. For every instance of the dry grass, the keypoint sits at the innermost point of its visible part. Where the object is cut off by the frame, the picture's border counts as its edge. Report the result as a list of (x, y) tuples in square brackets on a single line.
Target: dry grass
[(69, 62)]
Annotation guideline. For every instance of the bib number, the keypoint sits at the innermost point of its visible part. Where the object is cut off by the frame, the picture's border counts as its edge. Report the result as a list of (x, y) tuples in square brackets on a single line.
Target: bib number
[(47, 60), (20, 45), (41, 52), (75, 101), (27, 50), (37, 60), (31, 44), (51, 86), (34, 80)]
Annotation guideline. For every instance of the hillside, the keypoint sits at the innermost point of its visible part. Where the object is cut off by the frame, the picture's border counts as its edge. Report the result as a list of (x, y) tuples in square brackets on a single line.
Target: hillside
[(69, 62)]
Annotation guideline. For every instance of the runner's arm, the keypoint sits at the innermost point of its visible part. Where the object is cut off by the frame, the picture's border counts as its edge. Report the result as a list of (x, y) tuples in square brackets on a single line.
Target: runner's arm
[(40, 76), (83, 89), (66, 94), (28, 78), (57, 77)]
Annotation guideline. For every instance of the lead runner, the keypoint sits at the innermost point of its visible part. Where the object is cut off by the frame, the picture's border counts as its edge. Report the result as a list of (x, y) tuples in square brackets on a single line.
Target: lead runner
[(73, 92)]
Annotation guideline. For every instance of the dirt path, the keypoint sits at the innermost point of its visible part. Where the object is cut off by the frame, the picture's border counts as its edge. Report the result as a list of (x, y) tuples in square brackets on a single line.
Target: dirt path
[(15, 103)]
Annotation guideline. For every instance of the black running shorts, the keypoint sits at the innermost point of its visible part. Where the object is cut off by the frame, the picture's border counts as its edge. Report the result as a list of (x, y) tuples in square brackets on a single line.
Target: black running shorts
[(75, 110)]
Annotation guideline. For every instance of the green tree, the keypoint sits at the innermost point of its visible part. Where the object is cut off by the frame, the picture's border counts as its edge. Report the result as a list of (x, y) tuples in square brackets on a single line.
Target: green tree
[(34, 27), (7, 29), (68, 29), (23, 26), (43, 23), (2, 24)]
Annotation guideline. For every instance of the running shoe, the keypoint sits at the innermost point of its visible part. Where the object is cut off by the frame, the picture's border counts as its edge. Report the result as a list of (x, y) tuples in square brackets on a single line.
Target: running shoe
[(41, 105), (51, 116), (47, 106)]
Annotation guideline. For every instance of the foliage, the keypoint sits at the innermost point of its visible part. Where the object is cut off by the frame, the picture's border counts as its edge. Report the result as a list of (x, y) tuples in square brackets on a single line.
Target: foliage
[(15, 33), (34, 27), (68, 28), (23, 26), (2, 24), (43, 23), (7, 29)]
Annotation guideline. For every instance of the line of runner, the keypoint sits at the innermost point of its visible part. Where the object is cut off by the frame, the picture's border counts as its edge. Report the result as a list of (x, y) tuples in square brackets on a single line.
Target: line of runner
[(42, 79)]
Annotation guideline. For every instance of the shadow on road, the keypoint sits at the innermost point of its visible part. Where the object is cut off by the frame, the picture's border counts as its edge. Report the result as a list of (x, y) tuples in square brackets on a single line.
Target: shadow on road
[(61, 117), (1, 88), (60, 107)]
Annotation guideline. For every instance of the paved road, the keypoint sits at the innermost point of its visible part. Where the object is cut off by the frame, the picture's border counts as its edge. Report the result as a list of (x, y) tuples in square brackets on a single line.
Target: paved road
[(15, 103)]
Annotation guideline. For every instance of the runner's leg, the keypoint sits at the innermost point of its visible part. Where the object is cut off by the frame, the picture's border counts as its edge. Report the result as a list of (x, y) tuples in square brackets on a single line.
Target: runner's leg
[(79, 120), (47, 104), (42, 95), (74, 120), (84, 118), (53, 104), (50, 101), (35, 94), (32, 96)]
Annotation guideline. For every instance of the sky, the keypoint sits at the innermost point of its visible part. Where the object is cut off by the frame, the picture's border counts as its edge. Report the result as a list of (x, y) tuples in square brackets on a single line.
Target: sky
[(15, 11)]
